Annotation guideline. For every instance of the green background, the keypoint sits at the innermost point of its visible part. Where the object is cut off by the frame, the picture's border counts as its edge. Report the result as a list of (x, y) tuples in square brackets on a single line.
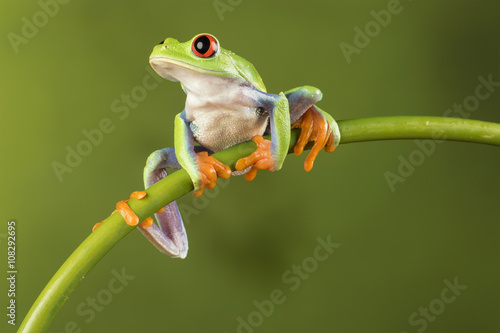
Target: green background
[(396, 247)]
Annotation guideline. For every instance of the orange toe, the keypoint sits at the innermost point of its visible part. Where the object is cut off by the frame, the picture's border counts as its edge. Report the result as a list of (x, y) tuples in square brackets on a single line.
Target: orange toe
[(146, 223), (329, 147), (305, 123), (137, 195), (96, 226), (128, 214), (124, 209), (260, 159), (210, 168), (314, 127)]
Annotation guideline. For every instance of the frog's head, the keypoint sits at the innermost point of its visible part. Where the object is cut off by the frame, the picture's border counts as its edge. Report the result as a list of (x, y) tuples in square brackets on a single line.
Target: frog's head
[(202, 54)]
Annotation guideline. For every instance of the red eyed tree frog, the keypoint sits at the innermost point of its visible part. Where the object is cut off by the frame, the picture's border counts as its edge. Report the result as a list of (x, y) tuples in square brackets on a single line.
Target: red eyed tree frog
[(226, 104)]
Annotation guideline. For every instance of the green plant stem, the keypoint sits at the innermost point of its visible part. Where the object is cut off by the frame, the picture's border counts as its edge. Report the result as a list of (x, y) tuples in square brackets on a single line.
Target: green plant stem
[(404, 127), (93, 249)]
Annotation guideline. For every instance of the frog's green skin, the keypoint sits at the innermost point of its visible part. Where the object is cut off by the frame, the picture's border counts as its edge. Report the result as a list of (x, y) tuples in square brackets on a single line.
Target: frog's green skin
[(226, 104)]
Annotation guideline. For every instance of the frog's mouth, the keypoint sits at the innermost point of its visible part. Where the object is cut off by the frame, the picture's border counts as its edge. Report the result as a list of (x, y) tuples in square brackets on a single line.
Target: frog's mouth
[(177, 70)]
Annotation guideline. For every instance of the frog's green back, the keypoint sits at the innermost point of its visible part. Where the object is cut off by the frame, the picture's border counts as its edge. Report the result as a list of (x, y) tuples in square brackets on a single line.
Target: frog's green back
[(248, 71)]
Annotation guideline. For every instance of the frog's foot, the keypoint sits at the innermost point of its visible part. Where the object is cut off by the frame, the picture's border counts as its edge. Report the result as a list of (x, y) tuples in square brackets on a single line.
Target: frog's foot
[(261, 159), (314, 127), (209, 168), (128, 214), (124, 209)]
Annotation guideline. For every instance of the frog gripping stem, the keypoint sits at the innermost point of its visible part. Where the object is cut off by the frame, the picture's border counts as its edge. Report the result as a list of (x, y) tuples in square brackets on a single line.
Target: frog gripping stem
[(209, 168), (124, 209), (314, 127), (261, 159)]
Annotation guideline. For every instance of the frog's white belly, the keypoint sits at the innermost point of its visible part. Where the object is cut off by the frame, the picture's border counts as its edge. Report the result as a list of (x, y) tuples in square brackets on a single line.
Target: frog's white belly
[(220, 128), (224, 113)]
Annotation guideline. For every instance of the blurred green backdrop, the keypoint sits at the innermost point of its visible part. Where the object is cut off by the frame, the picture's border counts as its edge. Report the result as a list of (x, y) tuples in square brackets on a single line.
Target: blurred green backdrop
[(400, 248)]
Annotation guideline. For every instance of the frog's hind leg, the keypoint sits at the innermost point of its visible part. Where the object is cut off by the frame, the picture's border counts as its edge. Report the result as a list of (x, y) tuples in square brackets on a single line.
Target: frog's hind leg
[(315, 124), (169, 236)]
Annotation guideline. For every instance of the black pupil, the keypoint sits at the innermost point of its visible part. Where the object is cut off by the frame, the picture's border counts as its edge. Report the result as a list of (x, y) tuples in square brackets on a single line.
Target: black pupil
[(202, 44)]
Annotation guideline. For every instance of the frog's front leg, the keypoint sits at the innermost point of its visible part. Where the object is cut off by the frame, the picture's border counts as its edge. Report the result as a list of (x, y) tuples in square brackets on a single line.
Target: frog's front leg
[(315, 124), (202, 168), (269, 154)]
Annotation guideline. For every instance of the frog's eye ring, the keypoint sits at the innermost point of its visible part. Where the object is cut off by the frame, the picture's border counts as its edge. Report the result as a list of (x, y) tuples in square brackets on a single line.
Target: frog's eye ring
[(205, 46)]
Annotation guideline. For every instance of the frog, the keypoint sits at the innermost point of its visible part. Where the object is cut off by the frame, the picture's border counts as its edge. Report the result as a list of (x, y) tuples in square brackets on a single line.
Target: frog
[(226, 104)]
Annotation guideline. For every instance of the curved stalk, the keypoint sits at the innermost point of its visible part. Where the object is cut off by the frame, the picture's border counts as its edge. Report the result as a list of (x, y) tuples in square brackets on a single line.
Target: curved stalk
[(93, 249), (404, 127)]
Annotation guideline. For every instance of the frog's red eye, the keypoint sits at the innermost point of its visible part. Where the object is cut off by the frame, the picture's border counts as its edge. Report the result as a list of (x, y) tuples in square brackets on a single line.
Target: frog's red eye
[(205, 46)]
